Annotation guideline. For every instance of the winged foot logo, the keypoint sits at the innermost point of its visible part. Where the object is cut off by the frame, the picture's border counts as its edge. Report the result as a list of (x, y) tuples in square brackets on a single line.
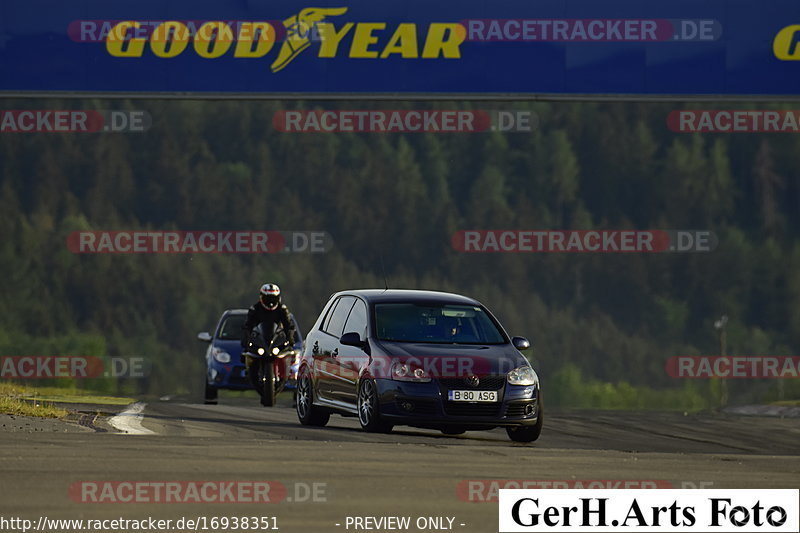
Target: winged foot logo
[(298, 32)]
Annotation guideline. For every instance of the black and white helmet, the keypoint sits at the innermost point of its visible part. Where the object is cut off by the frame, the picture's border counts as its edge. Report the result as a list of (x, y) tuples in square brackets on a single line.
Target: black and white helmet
[(270, 296)]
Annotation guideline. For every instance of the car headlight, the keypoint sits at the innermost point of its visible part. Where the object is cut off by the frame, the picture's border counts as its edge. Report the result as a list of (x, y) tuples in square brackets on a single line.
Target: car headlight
[(221, 355), (276, 350), (403, 372), (523, 375), (260, 351)]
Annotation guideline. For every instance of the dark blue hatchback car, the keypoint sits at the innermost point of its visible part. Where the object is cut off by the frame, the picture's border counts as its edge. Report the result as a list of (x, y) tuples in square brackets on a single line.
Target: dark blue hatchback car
[(418, 358), (224, 370)]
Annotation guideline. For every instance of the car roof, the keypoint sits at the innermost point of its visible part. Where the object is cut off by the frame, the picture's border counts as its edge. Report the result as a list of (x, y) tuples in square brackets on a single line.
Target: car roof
[(408, 295)]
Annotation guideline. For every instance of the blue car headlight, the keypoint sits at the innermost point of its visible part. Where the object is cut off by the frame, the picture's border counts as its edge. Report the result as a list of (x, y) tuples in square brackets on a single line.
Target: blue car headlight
[(523, 375), (221, 355)]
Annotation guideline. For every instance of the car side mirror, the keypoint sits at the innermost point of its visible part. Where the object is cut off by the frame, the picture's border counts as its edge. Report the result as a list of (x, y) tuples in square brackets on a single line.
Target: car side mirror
[(352, 339), (521, 343), (204, 336)]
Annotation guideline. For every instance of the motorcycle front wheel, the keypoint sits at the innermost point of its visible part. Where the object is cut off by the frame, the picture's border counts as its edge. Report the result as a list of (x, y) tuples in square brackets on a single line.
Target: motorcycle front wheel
[(263, 379)]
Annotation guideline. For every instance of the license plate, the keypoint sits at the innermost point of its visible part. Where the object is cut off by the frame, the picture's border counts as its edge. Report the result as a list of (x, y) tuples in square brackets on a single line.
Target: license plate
[(472, 395)]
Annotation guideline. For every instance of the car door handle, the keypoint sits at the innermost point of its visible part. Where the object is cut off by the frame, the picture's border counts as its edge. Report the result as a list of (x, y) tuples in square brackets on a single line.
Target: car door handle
[(335, 353), (315, 348)]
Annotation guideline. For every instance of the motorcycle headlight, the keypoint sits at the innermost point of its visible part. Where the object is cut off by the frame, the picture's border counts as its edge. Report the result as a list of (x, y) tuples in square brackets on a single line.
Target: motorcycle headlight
[(523, 375), (404, 372), (221, 355)]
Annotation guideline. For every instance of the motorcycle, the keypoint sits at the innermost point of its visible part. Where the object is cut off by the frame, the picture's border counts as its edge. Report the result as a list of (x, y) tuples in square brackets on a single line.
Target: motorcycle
[(268, 363)]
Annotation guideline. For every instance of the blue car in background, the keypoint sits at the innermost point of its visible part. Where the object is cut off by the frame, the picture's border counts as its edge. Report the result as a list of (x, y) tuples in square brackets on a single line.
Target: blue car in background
[(224, 369)]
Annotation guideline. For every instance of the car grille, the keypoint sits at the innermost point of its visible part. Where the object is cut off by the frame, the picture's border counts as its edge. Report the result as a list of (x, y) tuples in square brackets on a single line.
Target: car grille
[(236, 377), (494, 383), (471, 409), (486, 383)]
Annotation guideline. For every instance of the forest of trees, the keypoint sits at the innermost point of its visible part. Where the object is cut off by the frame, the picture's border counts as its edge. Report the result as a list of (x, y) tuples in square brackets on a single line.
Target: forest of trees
[(398, 199)]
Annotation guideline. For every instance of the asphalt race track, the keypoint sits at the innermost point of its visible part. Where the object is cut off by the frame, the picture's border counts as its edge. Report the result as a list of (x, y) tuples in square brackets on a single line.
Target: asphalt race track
[(409, 472)]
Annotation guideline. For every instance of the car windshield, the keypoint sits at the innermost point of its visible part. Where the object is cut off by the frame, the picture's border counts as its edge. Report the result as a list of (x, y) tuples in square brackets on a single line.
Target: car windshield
[(459, 324), (232, 328)]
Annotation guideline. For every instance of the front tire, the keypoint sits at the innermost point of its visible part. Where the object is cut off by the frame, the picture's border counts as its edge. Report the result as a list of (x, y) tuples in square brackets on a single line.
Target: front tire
[(263, 379), (369, 415), (210, 397), (306, 412)]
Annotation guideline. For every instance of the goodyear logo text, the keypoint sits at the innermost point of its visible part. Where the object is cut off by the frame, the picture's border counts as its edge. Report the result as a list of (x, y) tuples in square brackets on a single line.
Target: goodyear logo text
[(363, 40)]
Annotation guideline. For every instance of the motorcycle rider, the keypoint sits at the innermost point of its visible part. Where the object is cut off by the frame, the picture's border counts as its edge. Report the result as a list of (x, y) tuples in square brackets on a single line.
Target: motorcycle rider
[(268, 310)]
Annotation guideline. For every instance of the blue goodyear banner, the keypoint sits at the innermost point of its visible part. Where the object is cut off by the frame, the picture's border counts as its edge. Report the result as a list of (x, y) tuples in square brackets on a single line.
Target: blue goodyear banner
[(410, 47)]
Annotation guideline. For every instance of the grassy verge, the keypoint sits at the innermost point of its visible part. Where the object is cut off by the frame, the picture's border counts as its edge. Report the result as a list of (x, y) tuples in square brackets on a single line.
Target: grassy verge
[(16, 400), (568, 388), (787, 403), (57, 395), (43, 401)]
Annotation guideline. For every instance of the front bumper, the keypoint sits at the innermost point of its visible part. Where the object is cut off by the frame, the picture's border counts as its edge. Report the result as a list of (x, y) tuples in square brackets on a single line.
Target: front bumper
[(233, 376), (228, 376), (426, 405)]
